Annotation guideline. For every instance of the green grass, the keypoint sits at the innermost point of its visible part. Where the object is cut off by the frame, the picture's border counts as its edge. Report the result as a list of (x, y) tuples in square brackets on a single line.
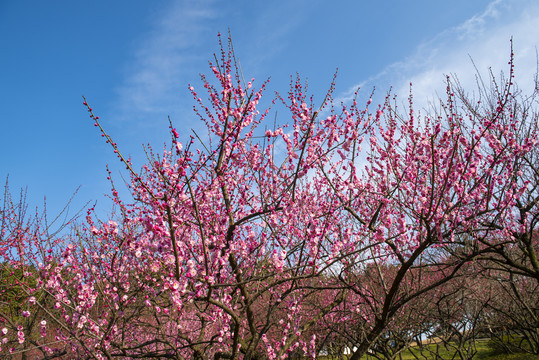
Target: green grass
[(486, 350)]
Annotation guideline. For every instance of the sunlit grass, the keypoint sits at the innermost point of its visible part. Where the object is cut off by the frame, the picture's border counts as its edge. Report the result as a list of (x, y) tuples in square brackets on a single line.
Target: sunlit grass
[(485, 351)]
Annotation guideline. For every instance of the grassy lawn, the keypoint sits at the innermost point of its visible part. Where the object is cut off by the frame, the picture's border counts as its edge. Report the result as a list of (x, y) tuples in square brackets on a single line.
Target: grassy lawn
[(485, 351)]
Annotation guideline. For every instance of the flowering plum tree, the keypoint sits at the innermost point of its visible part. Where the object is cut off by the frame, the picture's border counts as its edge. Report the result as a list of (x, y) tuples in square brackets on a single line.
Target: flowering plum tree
[(224, 246), (517, 252), (26, 239), (432, 187), (244, 244), (511, 267)]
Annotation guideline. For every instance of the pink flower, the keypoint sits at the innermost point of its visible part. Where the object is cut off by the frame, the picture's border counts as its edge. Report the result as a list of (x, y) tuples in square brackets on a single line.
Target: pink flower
[(20, 336), (43, 329)]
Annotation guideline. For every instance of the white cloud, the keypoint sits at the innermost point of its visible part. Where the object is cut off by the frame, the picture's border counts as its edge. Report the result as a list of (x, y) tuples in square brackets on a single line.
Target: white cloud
[(157, 75), (483, 38)]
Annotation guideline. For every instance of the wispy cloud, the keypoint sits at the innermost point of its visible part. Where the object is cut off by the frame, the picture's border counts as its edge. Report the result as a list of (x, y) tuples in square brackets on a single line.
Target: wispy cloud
[(157, 74), (483, 38), (269, 31)]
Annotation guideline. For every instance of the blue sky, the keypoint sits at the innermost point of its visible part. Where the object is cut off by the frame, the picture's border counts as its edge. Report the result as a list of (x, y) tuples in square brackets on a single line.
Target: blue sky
[(133, 60)]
